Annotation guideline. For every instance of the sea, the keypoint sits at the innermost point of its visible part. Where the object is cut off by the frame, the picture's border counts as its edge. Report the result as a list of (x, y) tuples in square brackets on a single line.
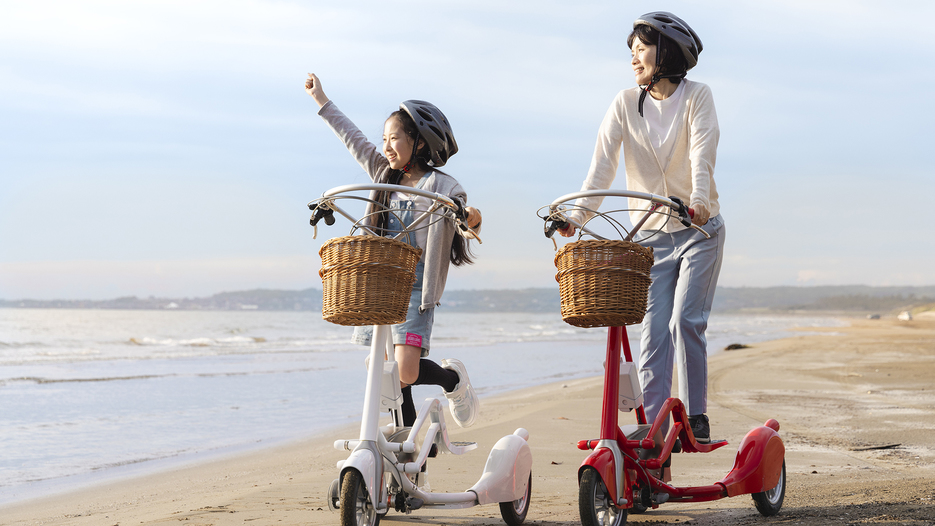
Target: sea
[(90, 395)]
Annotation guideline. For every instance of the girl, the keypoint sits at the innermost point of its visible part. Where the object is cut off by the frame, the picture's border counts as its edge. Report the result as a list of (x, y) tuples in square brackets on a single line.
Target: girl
[(669, 141), (416, 140)]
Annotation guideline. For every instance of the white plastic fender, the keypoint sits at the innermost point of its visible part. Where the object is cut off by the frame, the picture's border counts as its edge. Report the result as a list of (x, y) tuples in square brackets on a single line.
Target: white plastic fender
[(362, 460), (506, 473)]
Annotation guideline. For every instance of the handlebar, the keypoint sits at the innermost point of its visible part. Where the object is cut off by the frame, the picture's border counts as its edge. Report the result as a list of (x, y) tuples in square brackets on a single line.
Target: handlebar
[(557, 219), (442, 205)]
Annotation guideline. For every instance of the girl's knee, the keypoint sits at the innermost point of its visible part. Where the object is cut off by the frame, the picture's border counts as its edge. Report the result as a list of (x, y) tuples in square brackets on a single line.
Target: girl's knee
[(409, 359)]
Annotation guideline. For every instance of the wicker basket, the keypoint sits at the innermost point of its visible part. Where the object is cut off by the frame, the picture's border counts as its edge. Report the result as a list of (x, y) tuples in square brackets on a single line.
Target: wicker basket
[(603, 283), (367, 280)]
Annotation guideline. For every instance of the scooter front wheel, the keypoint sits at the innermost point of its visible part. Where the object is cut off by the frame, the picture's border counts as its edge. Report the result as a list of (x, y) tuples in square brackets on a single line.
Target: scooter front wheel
[(356, 505), (769, 502), (514, 513), (594, 504)]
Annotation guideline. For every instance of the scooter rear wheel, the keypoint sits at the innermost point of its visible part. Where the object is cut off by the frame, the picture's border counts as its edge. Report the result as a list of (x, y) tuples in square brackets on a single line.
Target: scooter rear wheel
[(769, 502), (514, 513), (356, 505), (594, 504)]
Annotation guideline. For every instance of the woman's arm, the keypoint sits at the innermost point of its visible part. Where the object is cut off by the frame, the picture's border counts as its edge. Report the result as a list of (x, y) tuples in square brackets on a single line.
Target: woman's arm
[(703, 152), (604, 162)]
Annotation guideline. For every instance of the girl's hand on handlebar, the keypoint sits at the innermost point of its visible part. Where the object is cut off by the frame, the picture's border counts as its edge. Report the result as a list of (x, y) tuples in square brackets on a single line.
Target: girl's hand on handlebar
[(568, 231), (474, 218), (313, 88), (700, 214)]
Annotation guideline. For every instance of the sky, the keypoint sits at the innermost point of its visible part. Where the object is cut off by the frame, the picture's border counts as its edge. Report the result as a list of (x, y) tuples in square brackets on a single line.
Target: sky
[(168, 148)]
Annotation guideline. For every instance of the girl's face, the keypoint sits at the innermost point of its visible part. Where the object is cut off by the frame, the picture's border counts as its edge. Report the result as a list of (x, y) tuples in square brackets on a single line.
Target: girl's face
[(397, 146), (644, 61)]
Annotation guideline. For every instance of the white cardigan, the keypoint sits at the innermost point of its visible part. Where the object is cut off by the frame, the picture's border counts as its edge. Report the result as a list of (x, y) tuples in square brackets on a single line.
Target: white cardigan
[(690, 173)]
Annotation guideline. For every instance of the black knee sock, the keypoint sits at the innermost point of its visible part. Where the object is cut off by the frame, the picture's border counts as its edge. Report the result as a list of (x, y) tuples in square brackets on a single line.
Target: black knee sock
[(430, 373), (409, 407)]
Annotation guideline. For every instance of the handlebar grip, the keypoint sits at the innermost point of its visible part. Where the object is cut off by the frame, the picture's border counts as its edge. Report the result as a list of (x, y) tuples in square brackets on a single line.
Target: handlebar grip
[(327, 215), (461, 215), (556, 225), (685, 213)]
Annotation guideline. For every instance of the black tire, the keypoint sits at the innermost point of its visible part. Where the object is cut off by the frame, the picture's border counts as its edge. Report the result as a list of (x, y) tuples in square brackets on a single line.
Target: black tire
[(356, 505), (594, 503), (514, 513), (769, 502)]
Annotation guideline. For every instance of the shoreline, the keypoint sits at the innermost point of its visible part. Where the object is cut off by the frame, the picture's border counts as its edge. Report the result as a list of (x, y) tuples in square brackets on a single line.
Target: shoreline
[(834, 390)]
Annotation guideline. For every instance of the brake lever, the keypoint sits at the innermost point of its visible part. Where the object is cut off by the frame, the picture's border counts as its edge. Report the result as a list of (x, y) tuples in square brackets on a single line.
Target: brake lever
[(321, 213), (549, 230), (685, 213), (462, 222)]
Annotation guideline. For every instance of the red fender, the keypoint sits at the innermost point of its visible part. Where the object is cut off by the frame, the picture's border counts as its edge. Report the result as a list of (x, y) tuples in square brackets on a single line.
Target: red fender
[(603, 461), (758, 464)]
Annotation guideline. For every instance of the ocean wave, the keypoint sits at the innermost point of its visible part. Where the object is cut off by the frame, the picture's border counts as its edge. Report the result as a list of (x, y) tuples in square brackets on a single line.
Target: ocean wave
[(219, 374), (197, 342)]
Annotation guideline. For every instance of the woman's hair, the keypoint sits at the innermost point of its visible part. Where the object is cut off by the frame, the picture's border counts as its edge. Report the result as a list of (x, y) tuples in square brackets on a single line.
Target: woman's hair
[(460, 250), (669, 56)]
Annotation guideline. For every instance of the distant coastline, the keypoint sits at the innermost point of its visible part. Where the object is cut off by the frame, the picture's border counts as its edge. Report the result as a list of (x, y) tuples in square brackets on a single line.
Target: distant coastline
[(853, 299)]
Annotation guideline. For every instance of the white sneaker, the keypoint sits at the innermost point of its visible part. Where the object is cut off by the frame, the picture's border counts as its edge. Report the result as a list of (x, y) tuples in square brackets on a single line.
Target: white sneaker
[(462, 402)]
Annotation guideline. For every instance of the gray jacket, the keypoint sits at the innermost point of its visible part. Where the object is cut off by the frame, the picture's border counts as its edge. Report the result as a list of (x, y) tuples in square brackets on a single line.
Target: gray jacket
[(436, 257)]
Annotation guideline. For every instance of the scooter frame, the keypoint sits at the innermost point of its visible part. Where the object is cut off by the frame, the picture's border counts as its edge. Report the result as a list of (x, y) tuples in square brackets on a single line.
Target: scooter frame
[(387, 464), (627, 468)]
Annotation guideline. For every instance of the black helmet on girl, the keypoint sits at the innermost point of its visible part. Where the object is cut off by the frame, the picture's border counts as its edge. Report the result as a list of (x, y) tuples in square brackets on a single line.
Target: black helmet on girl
[(434, 129)]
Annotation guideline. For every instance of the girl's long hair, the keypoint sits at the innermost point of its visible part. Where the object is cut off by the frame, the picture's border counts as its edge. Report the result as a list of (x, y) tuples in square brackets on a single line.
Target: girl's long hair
[(460, 253)]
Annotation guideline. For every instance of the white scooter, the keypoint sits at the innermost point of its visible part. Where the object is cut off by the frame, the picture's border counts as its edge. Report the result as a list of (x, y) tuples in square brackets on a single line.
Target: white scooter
[(386, 468)]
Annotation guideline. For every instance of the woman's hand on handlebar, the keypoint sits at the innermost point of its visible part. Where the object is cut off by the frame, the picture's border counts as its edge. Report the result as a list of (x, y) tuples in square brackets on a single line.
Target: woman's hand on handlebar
[(567, 231), (313, 88), (700, 214)]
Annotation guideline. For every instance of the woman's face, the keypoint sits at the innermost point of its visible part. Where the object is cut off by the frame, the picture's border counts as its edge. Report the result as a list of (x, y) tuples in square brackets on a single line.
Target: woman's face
[(397, 146), (644, 61)]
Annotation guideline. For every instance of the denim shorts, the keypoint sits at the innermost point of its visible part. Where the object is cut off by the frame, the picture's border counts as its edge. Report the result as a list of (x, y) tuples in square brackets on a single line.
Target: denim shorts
[(415, 331)]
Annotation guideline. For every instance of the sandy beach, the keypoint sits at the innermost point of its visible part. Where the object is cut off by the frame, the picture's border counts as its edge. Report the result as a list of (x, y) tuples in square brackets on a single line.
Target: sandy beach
[(856, 407)]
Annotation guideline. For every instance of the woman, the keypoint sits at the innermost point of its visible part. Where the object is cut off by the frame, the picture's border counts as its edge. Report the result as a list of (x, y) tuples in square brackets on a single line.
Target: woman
[(667, 127)]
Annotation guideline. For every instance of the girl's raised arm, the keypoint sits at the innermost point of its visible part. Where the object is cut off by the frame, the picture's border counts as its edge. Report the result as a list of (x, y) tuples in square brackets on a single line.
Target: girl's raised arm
[(313, 88)]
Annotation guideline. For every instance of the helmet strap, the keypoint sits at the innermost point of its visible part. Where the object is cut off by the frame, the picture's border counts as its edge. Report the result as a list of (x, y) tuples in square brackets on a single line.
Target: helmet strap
[(656, 76), (412, 158), (655, 80)]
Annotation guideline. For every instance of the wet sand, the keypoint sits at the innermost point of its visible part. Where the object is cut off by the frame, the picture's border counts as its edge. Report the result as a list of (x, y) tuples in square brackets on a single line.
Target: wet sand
[(856, 407)]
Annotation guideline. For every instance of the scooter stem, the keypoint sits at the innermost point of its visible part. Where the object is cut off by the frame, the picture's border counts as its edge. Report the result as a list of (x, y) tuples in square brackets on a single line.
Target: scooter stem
[(370, 423), (611, 384)]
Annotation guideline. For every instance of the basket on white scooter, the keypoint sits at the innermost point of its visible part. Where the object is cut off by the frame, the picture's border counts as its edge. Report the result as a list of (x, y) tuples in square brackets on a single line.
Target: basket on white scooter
[(603, 283), (366, 279)]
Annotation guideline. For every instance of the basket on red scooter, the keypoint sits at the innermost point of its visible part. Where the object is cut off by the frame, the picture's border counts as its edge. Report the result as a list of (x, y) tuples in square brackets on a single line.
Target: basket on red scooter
[(366, 279), (603, 283)]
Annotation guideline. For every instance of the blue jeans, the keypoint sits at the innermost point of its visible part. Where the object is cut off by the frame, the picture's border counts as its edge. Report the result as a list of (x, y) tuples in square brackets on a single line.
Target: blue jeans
[(684, 277)]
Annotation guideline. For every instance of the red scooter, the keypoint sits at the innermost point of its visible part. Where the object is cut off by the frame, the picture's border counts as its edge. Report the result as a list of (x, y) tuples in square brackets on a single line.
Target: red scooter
[(628, 468)]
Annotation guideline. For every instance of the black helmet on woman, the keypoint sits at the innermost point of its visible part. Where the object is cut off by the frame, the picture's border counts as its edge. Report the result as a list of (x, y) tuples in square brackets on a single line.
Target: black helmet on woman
[(673, 27), (434, 129)]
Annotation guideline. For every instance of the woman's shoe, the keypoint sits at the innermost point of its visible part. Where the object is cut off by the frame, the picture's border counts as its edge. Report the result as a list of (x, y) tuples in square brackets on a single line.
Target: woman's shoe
[(700, 428)]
